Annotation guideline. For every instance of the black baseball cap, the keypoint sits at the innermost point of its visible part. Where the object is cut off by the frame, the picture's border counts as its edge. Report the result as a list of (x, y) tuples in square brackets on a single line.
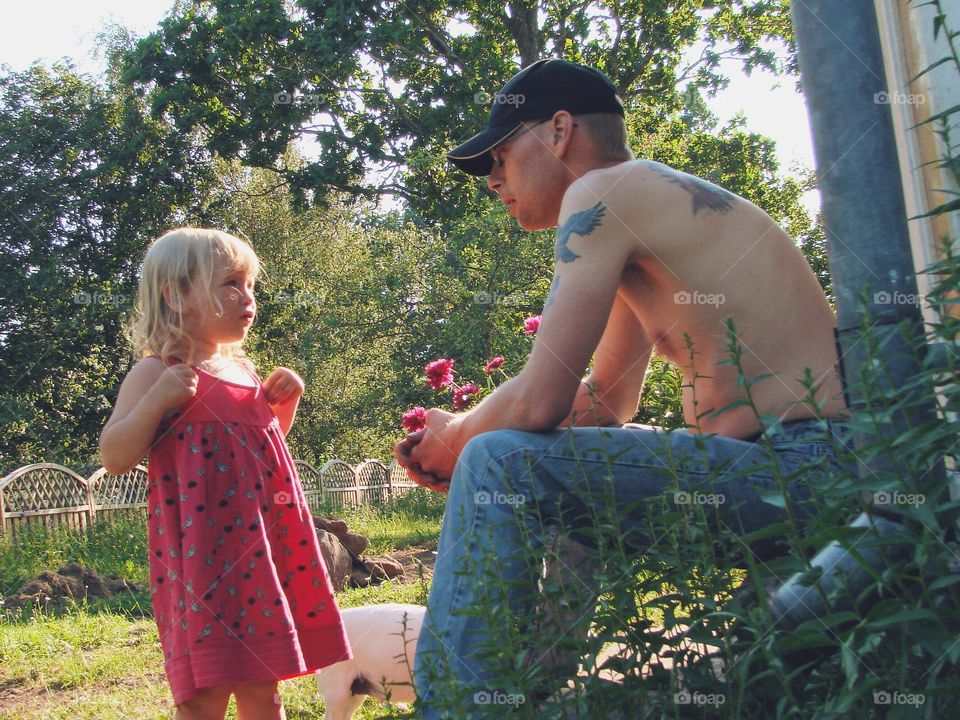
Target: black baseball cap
[(536, 93)]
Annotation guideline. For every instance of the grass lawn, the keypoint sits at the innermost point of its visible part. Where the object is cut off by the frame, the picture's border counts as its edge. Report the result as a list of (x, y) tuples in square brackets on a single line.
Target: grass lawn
[(102, 660)]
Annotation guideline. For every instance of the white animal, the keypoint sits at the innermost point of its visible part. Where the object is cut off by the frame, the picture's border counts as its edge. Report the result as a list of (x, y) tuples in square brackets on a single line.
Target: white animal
[(384, 643)]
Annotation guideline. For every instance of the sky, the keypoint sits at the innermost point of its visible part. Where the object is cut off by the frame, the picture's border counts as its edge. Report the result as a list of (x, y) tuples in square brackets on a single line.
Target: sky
[(48, 30)]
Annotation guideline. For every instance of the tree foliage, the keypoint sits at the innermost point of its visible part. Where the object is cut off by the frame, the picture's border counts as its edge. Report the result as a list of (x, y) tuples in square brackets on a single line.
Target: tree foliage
[(194, 123), (87, 179), (392, 84)]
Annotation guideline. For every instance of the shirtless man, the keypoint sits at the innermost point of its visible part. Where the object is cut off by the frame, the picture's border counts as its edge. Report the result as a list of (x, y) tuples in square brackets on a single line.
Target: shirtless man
[(646, 259)]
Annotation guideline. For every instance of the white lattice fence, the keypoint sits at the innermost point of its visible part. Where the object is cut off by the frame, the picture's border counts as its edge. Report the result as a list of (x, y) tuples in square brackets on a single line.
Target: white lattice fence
[(312, 482), (53, 495), (399, 478), (339, 483), (118, 496), (373, 482), (45, 494)]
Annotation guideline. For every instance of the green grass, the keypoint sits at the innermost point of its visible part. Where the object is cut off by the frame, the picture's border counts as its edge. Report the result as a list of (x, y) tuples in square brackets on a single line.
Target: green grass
[(118, 548), (102, 659), (411, 519)]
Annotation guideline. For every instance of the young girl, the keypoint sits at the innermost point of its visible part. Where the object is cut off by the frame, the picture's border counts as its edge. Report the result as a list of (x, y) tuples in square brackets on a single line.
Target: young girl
[(240, 593)]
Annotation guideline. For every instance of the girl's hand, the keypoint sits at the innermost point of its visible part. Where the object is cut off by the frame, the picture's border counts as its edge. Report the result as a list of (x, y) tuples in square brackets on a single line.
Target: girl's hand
[(176, 385), (283, 386)]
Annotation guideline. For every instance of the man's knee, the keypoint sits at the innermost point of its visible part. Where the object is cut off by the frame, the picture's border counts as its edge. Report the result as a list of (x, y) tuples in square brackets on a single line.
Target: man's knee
[(481, 459)]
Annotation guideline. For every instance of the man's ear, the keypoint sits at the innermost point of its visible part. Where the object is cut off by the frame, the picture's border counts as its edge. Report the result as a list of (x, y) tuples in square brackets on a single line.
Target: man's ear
[(561, 126)]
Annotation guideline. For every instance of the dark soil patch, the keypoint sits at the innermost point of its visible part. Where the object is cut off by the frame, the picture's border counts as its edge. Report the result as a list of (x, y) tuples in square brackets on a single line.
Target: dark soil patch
[(71, 582), (11, 693)]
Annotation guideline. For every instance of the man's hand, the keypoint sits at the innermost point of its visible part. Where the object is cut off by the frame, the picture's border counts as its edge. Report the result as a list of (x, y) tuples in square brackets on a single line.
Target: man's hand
[(402, 452), (438, 449)]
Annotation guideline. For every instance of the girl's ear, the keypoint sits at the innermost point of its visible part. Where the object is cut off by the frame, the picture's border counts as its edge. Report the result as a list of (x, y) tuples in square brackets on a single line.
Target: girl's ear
[(172, 302)]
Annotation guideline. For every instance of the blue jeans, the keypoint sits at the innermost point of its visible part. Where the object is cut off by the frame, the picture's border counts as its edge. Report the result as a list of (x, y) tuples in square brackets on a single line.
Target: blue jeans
[(511, 489)]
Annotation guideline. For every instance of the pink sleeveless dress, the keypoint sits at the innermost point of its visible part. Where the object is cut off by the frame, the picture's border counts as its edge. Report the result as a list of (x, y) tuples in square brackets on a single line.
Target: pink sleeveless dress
[(240, 592)]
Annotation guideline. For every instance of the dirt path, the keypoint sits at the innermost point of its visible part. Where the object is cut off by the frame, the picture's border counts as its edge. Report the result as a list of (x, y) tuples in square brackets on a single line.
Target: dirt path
[(414, 558)]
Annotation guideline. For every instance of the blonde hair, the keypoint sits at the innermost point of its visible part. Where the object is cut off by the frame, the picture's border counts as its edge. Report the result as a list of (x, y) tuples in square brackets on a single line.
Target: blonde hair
[(609, 133), (179, 262)]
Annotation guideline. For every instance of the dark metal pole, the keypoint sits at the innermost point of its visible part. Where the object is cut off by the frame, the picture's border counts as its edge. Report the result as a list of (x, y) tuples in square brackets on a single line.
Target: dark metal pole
[(864, 216)]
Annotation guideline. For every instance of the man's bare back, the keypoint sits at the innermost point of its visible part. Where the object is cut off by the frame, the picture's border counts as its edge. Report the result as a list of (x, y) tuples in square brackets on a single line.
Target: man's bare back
[(707, 255)]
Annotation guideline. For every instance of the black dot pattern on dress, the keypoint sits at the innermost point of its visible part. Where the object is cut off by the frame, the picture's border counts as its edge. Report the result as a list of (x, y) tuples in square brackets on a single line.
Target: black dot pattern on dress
[(252, 558)]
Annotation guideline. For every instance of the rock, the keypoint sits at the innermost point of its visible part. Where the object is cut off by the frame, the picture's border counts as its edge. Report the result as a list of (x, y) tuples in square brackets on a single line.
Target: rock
[(356, 544), (331, 525), (342, 552), (336, 557), (360, 577), (383, 568)]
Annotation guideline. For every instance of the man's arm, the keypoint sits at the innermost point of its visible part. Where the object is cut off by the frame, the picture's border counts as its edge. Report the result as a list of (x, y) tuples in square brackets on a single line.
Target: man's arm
[(611, 394), (592, 249)]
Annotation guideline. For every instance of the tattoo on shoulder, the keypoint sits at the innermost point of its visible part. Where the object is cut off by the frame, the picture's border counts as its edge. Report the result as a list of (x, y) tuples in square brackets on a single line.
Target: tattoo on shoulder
[(582, 223), (703, 194), (553, 289)]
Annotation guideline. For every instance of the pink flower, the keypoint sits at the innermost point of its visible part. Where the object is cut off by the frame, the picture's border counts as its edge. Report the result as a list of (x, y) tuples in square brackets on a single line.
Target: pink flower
[(493, 365), (439, 373), (531, 325), (464, 396), (414, 419)]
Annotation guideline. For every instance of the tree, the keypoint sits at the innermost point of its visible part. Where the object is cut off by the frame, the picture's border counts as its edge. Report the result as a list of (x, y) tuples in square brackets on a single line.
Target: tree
[(391, 85), (333, 305), (87, 179)]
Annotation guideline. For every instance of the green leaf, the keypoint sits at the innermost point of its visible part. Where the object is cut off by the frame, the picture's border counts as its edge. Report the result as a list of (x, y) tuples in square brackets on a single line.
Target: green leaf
[(904, 616), (938, 24), (930, 67), (774, 498), (943, 115)]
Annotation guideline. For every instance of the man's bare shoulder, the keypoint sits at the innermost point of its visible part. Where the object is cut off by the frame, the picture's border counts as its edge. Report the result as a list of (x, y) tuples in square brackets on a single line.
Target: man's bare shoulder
[(654, 182), (657, 208)]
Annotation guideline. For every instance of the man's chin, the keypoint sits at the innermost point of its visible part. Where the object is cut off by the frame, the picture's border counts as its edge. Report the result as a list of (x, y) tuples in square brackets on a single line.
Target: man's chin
[(529, 224)]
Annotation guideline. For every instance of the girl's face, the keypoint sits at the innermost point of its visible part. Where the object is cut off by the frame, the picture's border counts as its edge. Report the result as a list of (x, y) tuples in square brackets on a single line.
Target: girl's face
[(233, 289)]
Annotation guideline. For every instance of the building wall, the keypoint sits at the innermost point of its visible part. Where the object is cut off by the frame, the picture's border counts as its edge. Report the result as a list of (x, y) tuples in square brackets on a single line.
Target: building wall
[(906, 32)]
